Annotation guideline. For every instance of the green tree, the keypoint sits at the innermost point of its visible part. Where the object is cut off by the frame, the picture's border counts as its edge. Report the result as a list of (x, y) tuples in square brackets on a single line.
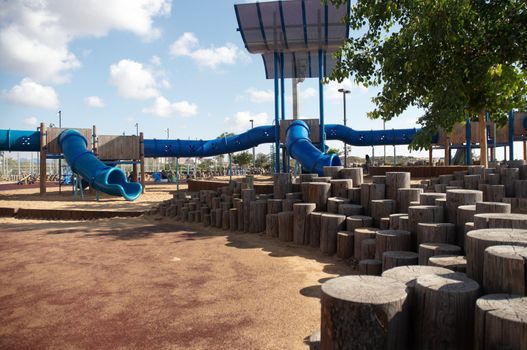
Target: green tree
[(206, 164), (262, 161), (242, 158), (452, 58), (333, 150)]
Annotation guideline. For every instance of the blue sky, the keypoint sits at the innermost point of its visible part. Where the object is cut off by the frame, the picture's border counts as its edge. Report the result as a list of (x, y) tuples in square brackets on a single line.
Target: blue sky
[(159, 63)]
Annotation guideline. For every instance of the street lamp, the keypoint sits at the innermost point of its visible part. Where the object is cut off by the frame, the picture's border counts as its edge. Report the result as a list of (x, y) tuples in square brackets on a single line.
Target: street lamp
[(254, 157), (60, 159), (168, 133), (136, 129), (344, 92)]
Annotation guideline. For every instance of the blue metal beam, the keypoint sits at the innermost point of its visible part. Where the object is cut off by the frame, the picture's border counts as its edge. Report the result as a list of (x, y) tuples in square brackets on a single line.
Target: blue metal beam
[(321, 73), (276, 114), (282, 107)]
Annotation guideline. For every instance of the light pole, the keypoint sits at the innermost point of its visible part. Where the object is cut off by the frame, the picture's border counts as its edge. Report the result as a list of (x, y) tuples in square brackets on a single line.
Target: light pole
[(344, 92), (254, 157), (136, 129), (60, 159), (384, 129), (168, 133)]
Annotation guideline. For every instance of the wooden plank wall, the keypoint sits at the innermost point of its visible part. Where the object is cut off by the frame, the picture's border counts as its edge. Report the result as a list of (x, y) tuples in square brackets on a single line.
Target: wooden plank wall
[(111, 147), (314, 127), (52, 142)]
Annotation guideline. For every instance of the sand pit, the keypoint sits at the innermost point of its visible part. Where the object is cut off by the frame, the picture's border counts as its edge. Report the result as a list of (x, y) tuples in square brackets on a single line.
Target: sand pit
[(154, 284)]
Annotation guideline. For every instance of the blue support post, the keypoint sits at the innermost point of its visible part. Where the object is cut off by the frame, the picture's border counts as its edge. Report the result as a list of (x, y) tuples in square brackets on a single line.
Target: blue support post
[(276, 113), (468, 146), (321, 74), (285, 157), (511, 135)]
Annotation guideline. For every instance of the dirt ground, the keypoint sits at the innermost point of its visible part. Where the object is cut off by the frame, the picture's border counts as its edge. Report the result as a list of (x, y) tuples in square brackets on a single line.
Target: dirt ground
[(151, 283)]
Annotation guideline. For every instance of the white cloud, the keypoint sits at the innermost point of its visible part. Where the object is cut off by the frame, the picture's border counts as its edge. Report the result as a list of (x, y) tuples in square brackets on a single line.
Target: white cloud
[(133, 80), (332, 89), (164, 108), (155, 60), (241, 121), (308, 93), (31, 121), (94, 101), (35, 35), (212, 57), (31, 93), (260, 96)]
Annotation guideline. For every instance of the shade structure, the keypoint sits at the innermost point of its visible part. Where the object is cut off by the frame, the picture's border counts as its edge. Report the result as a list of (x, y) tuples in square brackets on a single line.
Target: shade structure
[(297, 28)]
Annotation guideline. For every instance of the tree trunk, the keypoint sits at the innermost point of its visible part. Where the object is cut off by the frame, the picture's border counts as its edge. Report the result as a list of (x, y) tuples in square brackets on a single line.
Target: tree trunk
[(330, 224), (445, 313), (363, 312), (505, 270), (301, 213)]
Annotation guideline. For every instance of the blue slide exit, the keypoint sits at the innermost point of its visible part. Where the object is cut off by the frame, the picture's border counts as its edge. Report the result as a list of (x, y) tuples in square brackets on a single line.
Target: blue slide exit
[(100, 176), (301, 149)]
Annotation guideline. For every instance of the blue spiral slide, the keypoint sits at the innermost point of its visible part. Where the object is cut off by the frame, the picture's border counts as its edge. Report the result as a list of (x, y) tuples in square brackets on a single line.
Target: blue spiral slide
[(100, 176)]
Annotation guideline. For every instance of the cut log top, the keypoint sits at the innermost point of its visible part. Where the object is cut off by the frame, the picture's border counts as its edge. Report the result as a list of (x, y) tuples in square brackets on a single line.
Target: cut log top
[(508, 251), (456, 282), (367, 231), (457, 263), (408, 274), (507, 235), (504, 306), (493, 207), (365, 289), (393, 233)]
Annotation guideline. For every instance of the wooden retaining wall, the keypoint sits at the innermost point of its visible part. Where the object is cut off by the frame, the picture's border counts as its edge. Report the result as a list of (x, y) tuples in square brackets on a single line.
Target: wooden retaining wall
[(418, 171), (198, 185), (65, 214)]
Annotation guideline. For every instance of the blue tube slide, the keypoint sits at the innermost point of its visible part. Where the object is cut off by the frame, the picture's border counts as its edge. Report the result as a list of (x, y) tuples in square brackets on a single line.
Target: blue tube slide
[(100, 176), (371, 137), (301, 148), (208, 148), (19, 140)]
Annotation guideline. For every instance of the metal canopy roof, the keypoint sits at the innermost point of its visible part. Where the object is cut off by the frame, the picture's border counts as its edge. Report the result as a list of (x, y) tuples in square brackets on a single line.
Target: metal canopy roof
[(298, 28)]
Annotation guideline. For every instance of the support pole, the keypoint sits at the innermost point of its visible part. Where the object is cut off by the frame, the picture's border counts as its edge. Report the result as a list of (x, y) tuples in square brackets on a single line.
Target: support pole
[(321, 73), (511, 135), (177, 174), (468, 146), (447, 150), (285, 156), (142, 159), (43, 175), (276, 114), (430, 161), (524, 150)]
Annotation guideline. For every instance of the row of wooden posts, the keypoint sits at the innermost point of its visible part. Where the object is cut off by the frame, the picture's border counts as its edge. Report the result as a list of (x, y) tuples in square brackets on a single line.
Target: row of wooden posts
[(441, 262)]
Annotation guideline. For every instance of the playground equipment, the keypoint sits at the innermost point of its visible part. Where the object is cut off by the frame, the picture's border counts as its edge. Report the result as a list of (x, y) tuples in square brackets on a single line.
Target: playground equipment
[(101, 177)]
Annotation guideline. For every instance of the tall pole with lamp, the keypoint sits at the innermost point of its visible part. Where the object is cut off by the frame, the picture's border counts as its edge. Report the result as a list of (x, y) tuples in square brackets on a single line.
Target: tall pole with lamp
[(344, 92), (60, 158)]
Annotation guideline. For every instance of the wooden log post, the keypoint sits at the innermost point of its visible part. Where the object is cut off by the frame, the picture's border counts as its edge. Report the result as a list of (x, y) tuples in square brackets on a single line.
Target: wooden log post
[(345, 244), (471, 182), (271, 225), (365, 197), (285, 226), (274, 206), (225, 219), (330, 225), (206, 220), (333, 204), (288, 203), (465, 214), (355, 221), (219, 217), (391, 259), (394, 181), (394, 220), (367, 249), (258, 211), (508, 176), (377, 191), (436, 233), (445, 312), (408, 275), (493, 207), (381, 208), (371, 267), (421, 214), (427, 250), (233, 219), (501, 322), (391, 240), (505, 270), (318, 193), (500, 220), (354, 195), (455, 198), (240, 206), (355, 174), (478, 240), (332, 171), (405, 196), (301, 213), (456, 263), (349, 209), (359, 235), (429, 198), (314, 229), (384, 224), (363, 312), (281, 185), (248, 195), (339, 187), (520, 188)]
